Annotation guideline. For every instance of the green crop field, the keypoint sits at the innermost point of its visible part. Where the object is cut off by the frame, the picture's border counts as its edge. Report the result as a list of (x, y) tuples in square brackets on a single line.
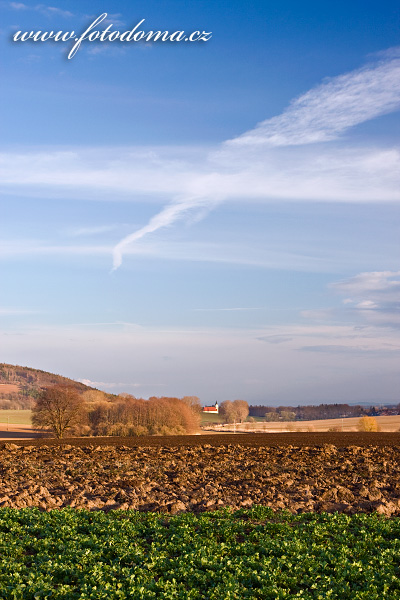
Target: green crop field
[(255, 553), (16, 417), (207, 418)]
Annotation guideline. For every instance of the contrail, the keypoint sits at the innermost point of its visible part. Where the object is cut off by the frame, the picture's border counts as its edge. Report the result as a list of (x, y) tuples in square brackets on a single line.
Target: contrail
[(166, 217)]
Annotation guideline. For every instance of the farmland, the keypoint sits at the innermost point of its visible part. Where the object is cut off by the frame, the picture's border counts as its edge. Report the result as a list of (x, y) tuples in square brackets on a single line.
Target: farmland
[(386, 423), (15, 417), (314, 472), (279, 516), (253, 553), (212, 422)]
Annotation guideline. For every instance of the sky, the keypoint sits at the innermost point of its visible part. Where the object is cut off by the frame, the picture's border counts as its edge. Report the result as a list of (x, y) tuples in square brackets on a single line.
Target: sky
[(217, 218)]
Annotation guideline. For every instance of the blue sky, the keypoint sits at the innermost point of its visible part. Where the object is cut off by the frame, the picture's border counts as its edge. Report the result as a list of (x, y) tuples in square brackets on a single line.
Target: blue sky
[(217, 219)]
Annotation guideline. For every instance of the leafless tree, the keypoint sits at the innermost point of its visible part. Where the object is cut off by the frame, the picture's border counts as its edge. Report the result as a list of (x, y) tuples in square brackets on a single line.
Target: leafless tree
[(236, 411), (226, 411), (194, 403), (59, 409), (134, 416), (241, 410)]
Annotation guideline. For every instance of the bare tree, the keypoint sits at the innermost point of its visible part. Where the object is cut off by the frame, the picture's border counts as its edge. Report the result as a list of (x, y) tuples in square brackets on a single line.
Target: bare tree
[(59, 408), (226, 411), (94, 396), (241, 410), (133, 416), (194, 403)]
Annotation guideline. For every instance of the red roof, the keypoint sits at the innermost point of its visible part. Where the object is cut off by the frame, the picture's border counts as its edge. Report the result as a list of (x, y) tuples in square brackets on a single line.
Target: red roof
[(210, 409)]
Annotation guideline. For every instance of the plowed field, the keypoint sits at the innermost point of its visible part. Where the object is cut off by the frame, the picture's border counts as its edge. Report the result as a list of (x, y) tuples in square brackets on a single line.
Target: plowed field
[(300, 440), (306, 472)]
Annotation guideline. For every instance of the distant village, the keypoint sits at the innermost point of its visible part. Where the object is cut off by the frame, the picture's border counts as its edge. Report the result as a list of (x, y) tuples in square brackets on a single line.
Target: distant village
[(311, 412)]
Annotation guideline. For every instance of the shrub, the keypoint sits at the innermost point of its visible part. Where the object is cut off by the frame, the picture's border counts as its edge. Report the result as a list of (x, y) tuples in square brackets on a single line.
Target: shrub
[(272, 416), (137, 430), (118, 429), (368, 424)]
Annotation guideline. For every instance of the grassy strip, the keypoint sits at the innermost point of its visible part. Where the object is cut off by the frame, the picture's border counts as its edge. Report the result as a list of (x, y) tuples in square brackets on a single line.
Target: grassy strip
[(210, 418), (252, 553), (16, 417)]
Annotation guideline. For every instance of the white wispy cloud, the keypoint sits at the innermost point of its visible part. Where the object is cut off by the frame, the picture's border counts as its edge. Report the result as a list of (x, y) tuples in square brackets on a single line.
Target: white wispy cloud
[(270, 255), (370, 297), (380, 284), (114, 19), (328, 110), (230, 309), (335, 174), (318, 116), (53, 10), (105, 48), (31, 248), (374, 296), (91, 230), (348, 350), (189, 182), (109, 384), (169, 215), (18, 6), (275, 339), (42, 8)]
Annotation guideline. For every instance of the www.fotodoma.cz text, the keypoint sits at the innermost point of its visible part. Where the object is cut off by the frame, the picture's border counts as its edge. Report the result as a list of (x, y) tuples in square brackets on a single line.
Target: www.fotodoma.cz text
[(93, 34)]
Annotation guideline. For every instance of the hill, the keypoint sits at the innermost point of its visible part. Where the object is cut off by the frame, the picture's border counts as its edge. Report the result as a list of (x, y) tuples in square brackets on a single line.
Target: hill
[(20, 385)]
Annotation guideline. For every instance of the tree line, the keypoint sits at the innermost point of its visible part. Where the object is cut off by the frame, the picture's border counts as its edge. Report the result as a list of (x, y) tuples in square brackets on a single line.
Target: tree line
[(320, 411), (64, 411)]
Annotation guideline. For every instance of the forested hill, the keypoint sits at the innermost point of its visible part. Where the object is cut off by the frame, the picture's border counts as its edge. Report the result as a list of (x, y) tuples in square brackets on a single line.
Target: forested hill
[(19, 386)]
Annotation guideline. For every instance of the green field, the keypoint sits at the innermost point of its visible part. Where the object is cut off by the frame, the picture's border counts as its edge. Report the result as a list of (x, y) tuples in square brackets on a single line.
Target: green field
[(207, 418), (16, 417), (252, 554)]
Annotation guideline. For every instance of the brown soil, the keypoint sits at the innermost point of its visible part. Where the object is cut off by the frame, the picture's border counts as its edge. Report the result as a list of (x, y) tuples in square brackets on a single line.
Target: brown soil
[(319, 472), (222, 439)]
